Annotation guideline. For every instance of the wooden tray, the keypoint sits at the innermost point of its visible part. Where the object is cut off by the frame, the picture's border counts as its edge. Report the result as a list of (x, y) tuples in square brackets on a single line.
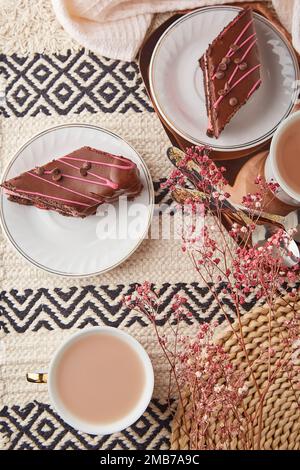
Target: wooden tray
[(239, 165)]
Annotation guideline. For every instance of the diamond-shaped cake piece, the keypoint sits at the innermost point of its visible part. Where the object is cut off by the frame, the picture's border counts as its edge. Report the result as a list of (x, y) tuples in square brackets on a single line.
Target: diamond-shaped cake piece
[(231, 70), (77, 183)]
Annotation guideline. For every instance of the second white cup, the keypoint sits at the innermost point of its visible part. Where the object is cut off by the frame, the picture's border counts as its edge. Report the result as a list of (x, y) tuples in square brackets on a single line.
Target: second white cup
[(284, 193)]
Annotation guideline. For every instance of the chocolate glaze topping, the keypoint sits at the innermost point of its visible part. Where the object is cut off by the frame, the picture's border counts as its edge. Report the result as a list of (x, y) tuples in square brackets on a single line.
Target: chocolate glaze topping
[(234, 53), (77, 183)]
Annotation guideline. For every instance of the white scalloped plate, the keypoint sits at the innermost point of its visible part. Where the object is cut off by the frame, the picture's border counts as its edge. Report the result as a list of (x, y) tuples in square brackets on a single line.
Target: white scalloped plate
[(176, 80), (65, 245)]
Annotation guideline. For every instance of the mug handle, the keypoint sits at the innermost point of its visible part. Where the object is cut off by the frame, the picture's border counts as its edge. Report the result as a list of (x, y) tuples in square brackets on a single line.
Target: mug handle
[(37, 377)]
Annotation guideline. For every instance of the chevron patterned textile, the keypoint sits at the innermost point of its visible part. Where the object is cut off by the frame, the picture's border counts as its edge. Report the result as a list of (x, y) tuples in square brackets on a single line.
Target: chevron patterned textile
[(46, 79)]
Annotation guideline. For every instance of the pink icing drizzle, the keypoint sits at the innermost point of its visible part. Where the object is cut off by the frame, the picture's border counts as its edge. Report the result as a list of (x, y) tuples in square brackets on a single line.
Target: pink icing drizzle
[(104, 181), (128, 165), (239, 37), (34, 193), (230, 53), (237, 83), (233, 22), (64, 188), (244, 57), (85, 180), (244, 43), (254, 87)]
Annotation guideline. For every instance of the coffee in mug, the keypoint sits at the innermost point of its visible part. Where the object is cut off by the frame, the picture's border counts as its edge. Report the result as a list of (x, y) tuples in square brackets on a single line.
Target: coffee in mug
[(101, 380), (283, 163)]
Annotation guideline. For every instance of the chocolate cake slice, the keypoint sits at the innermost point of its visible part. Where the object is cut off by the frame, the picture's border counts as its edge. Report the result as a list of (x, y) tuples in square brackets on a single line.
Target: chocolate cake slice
[(231, 70), (77, 183)]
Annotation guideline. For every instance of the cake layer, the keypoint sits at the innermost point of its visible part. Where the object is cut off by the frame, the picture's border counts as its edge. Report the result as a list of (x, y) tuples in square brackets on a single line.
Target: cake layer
[(231, 71), (77, 183)]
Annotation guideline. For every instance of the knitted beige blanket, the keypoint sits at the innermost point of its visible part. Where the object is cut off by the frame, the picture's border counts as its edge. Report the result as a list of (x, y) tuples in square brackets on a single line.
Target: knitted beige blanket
[(116, 28)]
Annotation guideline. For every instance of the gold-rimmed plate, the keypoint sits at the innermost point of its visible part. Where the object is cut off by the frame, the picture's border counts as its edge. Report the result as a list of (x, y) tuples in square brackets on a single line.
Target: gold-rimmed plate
[(71, 246), (176, 81)]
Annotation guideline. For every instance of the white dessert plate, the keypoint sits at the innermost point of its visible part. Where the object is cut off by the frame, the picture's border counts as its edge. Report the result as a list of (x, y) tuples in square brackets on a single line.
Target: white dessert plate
[(176, 80), (73, 246)]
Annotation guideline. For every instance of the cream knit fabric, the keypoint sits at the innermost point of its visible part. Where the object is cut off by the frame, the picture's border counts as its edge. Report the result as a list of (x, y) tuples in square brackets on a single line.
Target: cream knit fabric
[(116, 28)]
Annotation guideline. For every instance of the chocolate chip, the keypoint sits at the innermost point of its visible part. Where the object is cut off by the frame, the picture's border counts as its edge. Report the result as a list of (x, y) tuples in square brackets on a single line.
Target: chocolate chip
[(57, 175), (233, 101), (220, 75), (225, 90), (39, 170), (234, 47), (237, 60), (243, 66), (222, 66), (86, 165), (226, 60), (83, 171), (55, 171)]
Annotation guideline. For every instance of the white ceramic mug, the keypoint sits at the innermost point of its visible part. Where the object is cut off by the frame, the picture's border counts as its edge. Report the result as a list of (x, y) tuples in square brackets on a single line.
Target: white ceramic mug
[(272, 173), (75, 422)]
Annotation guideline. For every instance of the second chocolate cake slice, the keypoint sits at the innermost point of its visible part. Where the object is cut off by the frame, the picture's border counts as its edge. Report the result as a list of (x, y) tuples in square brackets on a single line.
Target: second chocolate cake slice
[(231, 69), (77, 183)]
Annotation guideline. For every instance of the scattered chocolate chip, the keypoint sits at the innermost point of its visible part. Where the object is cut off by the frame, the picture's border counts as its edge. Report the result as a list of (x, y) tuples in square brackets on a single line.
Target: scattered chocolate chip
[(55, 171), (86, 165), (56, 176), (243, 66), (234, 47), (83, 171), (237, 60), (226, 60), (220, 75), (233, 101), (222, 66), (39, 170)]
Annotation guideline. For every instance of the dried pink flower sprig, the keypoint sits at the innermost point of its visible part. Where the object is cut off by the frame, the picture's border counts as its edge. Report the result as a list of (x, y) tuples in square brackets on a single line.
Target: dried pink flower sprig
[(145, 300), (209, 178), (199, 366), (200, 369), (255, 202), (204, 370), (243, 268), (260, 269), (248, 269)]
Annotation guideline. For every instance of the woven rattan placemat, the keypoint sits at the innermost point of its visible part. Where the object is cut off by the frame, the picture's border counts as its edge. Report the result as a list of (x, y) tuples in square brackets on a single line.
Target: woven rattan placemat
[(281, 411)]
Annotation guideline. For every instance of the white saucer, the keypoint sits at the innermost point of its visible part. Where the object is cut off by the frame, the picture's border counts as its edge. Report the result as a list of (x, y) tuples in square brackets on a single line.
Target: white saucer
[(65, 245), (176, 80)]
